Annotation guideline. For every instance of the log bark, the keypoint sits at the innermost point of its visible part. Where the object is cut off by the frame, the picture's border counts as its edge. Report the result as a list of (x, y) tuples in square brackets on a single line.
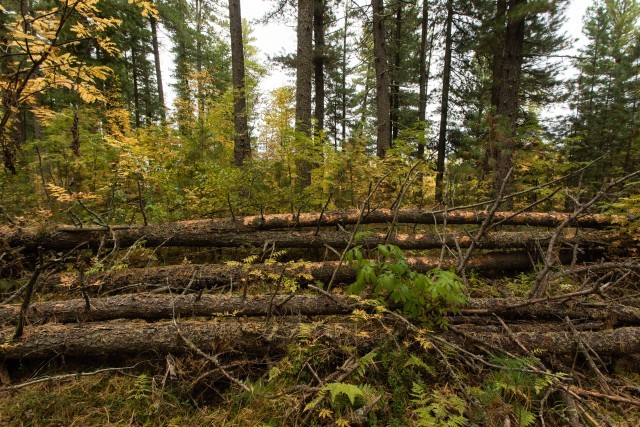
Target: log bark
[(199, 276), (154, 307), (611, 314), (21, 236), (262, 338), (199, 234)]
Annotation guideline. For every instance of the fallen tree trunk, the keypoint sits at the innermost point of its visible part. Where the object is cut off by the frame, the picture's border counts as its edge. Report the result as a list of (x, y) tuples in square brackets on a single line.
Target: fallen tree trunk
[(198, 276), (512, 308), (263, 338), (196, 234), (350, 217), (154, 307)]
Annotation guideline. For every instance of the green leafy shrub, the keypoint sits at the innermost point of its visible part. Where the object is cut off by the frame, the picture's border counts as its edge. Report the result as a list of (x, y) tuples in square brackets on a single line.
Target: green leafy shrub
[(426, 297)]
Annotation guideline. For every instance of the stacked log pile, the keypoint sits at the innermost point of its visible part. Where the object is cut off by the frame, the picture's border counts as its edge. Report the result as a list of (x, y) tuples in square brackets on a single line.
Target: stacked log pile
[(186, 301)]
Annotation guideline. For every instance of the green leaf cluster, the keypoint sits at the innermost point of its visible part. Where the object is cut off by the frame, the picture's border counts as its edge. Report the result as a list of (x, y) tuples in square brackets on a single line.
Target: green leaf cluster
[(426, 297)]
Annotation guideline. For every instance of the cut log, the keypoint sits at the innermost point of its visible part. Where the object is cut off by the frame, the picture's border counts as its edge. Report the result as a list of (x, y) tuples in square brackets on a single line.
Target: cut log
[(614, 342), (198, 234), (263, 338), (215, 275), (350, 217), (154, 307), (611, 314)]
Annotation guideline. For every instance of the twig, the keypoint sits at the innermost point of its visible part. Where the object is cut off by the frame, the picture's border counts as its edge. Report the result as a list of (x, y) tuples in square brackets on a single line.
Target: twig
[(613, 398), (542, 280), (485, 224), (212, 359), (581, 347), (65, 377)]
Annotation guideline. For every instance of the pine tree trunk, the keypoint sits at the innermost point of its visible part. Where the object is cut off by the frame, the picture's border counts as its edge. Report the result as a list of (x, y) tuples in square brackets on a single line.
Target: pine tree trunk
[(136, 94), (444, 105), (424, 77), (383, 112), (242, 145), (304, 75), (319, 60), (507, 109), (156, 57), (343, 88), (395, 81)]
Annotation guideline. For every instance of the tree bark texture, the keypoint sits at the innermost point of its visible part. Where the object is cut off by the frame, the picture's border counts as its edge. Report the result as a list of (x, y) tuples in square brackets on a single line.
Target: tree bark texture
[(178, 277), (444, 105), (304, 76), (504, 136), (319, 60), (241, 143), (383, 110), (424, 72), (30, 236), (267, 338), (258, 338), (156, 56), (155, 307), (197, 235)]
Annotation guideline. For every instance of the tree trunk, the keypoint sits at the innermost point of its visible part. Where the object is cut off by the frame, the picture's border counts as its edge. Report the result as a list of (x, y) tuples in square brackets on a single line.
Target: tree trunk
[(343, 88), (319, 60), (444, 105), (197, 234), (179, 277), (136, 95), (63, 236), (304, 74), (395, 80), (198, 54), (158, 307), (504, 135), (156, 57), (424, 76), (383, 111), (242, 145), (260, 338)]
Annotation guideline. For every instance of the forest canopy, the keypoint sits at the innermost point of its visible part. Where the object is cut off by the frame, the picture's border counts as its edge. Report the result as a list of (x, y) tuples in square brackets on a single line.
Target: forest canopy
[(464, 93)]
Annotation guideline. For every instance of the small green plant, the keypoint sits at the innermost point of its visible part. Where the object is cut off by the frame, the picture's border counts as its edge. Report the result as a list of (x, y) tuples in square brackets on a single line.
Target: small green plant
[(426, 297), (439, 408)]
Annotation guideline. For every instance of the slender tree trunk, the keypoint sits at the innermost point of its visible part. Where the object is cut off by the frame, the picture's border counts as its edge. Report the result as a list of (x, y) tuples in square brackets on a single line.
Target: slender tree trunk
[(319, 60), (242, 145), (199, 85), (423, 79), (395, 78), (444, 105), (304, 74), (344, 73), (383, 112), (146, 80), (136, 94), (156, 57), (499, 22)]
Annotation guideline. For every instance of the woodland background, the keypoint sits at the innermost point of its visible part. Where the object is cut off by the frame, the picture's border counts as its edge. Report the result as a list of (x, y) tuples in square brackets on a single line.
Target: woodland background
[(436, 225)]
